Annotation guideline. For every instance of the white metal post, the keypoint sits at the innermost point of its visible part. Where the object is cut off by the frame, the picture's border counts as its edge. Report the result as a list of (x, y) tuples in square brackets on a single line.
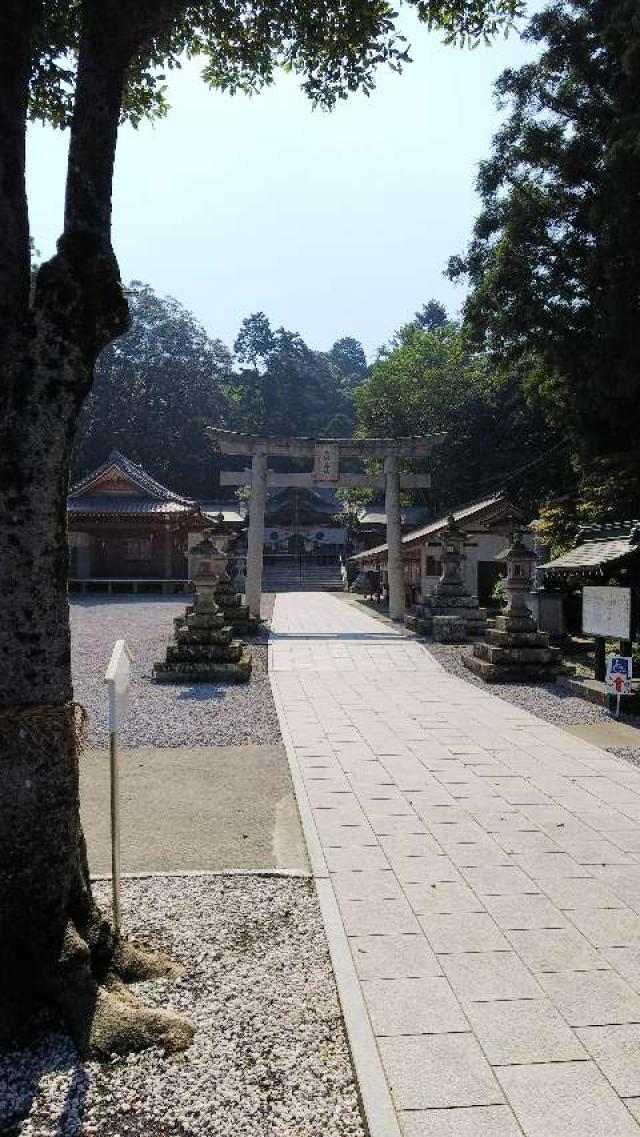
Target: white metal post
[(395, 572), (117, 680), (256, 531), (114, 762)]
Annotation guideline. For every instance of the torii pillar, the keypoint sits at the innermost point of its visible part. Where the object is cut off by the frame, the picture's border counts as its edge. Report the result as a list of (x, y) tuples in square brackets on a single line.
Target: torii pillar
[(255, 542), (395, 570)]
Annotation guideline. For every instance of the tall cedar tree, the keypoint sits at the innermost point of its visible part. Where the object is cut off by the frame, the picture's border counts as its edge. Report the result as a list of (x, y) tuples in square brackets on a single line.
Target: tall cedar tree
[(428, 381), (554, 262), (87, 64)]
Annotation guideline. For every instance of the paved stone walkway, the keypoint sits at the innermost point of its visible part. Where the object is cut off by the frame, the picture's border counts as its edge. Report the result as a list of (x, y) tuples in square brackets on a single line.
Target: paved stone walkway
[(487, 869)]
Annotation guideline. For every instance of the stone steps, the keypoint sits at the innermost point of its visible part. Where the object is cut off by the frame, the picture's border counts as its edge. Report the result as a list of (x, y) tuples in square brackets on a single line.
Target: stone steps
[(208, 672), (313, 578)]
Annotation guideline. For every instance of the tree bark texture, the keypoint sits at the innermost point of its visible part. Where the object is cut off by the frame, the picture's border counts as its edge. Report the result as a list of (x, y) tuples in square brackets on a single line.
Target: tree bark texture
[(54, 945)]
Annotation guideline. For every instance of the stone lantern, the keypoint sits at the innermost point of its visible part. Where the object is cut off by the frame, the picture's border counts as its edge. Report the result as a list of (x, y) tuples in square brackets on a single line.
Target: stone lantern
[(515, 651), (453, 541), (520, 561), (450, 613), (207, 567)]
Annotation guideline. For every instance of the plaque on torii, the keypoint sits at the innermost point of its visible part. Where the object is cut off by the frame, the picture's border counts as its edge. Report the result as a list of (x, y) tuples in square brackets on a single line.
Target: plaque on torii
[(325, 455)]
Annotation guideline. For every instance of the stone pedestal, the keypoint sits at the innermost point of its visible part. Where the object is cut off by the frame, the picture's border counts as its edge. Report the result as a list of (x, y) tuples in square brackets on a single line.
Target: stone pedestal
[(514, 652), (449, 629), (235, 612), (203, 650)]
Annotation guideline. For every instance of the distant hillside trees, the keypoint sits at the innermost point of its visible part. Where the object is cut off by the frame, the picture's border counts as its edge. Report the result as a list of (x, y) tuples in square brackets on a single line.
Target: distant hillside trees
[(158, 387), (430, 380), (290, 389), (155, 390)]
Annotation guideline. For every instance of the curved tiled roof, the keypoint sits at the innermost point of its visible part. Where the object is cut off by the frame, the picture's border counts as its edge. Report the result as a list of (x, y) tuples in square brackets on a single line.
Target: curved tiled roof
[(148, 485), (605, 544), (153, 498), (469, 513), (105, 503)]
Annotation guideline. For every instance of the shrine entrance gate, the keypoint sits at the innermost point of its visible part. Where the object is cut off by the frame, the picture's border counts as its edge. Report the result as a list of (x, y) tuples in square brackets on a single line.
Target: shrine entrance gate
[(326, 455)]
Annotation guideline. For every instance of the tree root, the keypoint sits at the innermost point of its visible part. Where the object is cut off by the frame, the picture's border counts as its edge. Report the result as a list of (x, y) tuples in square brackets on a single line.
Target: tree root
[(133, 962), (105, 1018)]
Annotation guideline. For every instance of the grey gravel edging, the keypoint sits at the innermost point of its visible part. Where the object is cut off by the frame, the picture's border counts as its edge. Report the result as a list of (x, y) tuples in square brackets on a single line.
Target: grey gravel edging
[(375, 1096), (186, 874)]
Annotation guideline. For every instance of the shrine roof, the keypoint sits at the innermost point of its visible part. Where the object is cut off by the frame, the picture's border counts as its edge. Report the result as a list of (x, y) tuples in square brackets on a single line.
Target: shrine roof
[(121, 486), (487, 510), (229, 511), (607, 545), (376, 515), (117, 505)]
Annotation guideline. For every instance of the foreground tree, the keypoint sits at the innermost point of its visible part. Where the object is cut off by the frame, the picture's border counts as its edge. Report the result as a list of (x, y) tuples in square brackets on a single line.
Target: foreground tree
[(87, 64), (554, 262)]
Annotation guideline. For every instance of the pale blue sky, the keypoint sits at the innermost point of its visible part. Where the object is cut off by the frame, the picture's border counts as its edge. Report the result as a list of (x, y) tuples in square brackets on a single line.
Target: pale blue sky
[(333, 224)]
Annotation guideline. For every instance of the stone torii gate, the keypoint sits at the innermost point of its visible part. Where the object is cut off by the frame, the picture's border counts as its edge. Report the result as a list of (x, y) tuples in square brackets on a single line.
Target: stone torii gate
[(326, 454)]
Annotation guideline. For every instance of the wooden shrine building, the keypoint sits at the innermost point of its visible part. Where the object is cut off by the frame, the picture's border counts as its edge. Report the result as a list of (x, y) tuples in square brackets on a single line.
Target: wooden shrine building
[(125, 528)]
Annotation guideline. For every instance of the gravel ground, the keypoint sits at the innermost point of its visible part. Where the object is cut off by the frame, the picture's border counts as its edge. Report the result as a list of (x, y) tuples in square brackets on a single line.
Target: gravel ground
[(163, 714), (551, 703), (269, 1056)]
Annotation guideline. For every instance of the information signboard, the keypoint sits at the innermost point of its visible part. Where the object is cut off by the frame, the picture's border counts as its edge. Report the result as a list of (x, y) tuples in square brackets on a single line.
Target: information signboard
[(606, 612)]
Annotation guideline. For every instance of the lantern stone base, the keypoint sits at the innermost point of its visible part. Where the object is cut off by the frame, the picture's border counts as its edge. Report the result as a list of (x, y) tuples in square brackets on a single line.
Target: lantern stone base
[(204, 650), (464, 607), (235, 612), (204, 672), (449, 629), (514, 652)]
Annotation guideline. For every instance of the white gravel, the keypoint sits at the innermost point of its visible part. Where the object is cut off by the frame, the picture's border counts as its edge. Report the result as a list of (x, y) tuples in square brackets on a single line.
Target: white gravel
[(269, 1058), (163, 714)]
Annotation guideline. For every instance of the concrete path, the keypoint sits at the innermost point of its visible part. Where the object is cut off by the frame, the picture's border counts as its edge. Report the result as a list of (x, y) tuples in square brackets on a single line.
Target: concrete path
[(192, 808), (486, 868)]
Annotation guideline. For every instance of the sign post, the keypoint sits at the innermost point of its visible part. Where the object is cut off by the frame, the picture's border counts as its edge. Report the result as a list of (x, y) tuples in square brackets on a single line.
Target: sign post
[(606, 614), (117, 680), (619, 675)]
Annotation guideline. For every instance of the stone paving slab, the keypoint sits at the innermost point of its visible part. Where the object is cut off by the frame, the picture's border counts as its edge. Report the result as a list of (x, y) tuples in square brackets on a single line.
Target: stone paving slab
[(486, 868)]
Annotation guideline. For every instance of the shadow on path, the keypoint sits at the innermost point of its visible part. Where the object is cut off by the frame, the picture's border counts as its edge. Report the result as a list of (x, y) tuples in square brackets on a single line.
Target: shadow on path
[(394, 637)]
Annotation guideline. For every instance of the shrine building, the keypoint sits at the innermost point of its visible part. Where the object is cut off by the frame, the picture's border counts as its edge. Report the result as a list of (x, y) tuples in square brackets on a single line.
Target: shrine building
[(128, 530)]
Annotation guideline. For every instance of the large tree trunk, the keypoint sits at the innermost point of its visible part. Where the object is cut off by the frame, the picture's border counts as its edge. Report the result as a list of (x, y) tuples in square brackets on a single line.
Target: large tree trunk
[(55, 947)]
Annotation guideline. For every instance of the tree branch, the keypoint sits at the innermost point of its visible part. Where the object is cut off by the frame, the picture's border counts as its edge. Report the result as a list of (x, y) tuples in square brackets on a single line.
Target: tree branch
[(113, 33), (102, 65), (17, 20)]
